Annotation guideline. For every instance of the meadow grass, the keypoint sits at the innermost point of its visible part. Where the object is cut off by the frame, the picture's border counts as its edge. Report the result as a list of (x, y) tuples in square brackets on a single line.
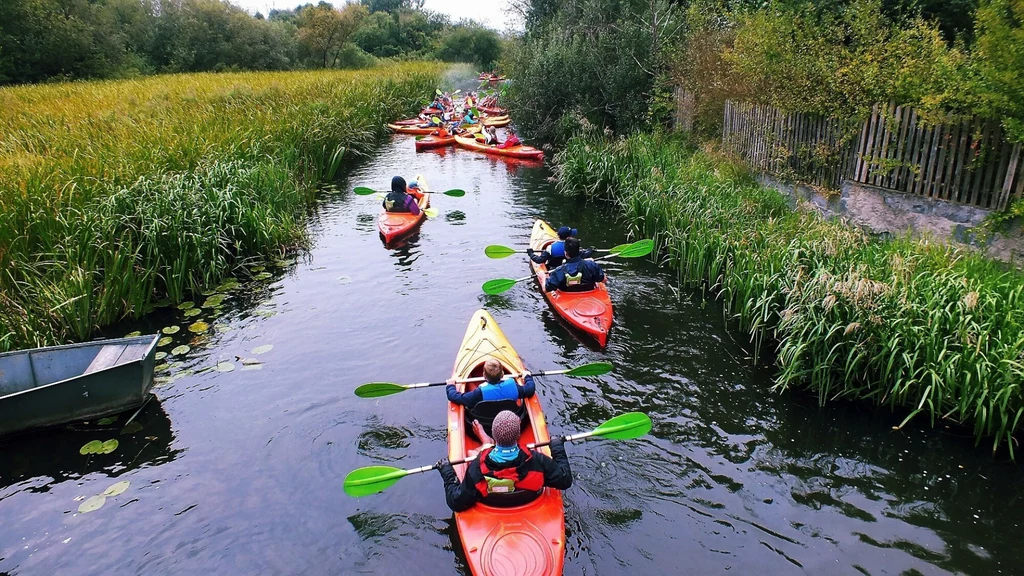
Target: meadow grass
[(905, 323), (116, 194)]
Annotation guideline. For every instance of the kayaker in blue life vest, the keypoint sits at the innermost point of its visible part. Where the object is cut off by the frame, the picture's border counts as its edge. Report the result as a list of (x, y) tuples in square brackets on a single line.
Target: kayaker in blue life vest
[(577, 274), (493, 388), (507, 474), (554, 254), (399, 200)]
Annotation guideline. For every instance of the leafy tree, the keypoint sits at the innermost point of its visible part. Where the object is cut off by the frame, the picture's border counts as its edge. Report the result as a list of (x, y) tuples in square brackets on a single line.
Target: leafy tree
[(323, 31), (1000, 62)]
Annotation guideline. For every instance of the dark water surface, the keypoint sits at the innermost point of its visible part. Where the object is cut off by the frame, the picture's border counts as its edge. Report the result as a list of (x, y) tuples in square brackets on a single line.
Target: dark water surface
[(240, 472)]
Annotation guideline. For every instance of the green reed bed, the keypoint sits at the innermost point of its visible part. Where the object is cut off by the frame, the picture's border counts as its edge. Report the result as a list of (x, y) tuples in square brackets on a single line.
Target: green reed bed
[(902, 323), (116, 194)]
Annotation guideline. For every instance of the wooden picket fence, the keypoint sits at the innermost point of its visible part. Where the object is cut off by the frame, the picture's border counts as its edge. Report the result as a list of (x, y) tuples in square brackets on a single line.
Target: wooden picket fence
[(967, 162)]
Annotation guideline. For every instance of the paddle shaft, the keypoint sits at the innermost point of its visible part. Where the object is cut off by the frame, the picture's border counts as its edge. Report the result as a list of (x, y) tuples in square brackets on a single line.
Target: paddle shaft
[(481, 378)]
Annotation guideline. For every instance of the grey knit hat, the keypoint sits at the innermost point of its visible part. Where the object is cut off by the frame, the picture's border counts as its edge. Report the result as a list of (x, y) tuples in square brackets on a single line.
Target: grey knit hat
[(505, 429)]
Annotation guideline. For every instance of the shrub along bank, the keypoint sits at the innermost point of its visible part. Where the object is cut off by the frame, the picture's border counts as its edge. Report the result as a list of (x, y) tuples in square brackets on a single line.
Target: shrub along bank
[(114, 195), (901, 323)]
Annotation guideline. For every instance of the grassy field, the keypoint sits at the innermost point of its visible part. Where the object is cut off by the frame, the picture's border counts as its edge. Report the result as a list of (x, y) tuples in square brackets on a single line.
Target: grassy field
[(114, 195), (929, 329)]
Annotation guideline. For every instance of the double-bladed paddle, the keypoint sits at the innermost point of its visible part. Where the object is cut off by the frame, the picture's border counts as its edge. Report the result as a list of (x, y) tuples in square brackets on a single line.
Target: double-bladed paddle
[(364, 191), (634, 250), (379, 389), (498, 251), (374, 479)]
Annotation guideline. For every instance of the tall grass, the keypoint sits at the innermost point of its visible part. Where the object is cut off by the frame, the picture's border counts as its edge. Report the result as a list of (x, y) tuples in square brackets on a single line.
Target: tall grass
[(904, 323), (116, 194)]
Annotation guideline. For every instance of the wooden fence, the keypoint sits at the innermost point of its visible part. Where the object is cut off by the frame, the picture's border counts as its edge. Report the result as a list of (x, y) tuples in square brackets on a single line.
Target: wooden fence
[(968, 162), (805, 147)]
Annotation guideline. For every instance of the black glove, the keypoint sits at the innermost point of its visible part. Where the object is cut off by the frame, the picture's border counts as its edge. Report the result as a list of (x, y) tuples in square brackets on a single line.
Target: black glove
[(557, 443), (442, 464), (529, 251)]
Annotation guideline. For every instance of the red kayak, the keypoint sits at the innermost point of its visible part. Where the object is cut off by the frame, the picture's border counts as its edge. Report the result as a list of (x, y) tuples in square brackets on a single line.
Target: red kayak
[(436, 141), (395, 225), (590, 311)]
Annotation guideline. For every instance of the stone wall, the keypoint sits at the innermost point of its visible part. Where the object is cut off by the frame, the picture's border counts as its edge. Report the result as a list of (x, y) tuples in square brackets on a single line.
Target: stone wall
[(887, 213)]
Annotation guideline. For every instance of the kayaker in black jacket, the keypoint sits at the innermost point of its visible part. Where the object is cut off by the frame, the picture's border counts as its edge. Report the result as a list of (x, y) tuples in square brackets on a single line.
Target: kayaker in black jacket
[(577, 274), (399, 199), (506, 473)]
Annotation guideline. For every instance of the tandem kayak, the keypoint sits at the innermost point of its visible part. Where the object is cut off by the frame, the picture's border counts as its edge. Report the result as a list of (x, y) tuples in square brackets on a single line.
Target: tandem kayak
[(518, 151), (590, 311), (523, 540), (395, 225)]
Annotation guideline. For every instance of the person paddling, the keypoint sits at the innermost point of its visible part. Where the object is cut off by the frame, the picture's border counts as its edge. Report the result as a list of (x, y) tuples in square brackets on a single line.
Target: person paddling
[(577, 274), (399, 200), (493, 388), (490, 135), (507, 473), (554, 255), (510, 140)]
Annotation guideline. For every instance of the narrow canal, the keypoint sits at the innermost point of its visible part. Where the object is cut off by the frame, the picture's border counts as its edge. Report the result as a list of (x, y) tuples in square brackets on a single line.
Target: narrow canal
[(240, 471)]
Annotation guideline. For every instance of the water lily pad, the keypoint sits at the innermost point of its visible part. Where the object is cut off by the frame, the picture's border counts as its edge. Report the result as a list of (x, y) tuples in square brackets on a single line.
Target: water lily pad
[(248, 367), (199, 327), (171, 329), (92, 447), (162, 367), (108, 447), (265, 313), (186, 305), (92, 504), (262, 276), (179, 350), (214, 300), (193, 312), (161, 355), (116, 488), (225, 367), (164, 341), (133, 334), (263, 349), (162, 381), (222, 328), (257, 268), (228, 286), (162, 303), (106, 421), (344, 279), (281, 263), (131, 428)]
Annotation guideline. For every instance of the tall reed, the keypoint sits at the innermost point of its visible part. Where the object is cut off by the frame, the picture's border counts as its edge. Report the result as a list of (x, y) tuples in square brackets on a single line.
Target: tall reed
[(902, 323), (116, 194)]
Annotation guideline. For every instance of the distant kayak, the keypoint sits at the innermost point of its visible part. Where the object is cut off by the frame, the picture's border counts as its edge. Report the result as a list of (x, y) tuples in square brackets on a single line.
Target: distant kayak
[(518, 151)]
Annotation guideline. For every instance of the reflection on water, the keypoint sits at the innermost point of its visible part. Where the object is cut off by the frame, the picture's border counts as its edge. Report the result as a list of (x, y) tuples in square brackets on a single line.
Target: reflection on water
[(238, 470)]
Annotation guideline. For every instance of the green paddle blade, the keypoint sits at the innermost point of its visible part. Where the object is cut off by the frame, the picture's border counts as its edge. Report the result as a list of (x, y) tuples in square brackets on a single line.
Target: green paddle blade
[(498, 251), (371, 480), (637, 249), (364, 191), (455, 193), (420, 137), (379, 389), (624, 427), (592, 369), (438, 92), (498, 285), (617, 249), (431, 212)]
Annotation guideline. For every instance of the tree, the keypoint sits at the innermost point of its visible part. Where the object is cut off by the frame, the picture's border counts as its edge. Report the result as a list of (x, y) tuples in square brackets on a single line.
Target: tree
[(1000, 62), (323, 31)]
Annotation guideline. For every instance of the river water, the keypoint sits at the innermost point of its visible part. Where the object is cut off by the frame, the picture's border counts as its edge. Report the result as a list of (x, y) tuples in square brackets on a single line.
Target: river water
[(240, 472)]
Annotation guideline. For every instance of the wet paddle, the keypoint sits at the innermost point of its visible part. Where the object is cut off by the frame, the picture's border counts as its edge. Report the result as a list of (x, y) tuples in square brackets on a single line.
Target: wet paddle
[(498, 251), (373, 479), (379, 389), (364, 191), (635, 250)]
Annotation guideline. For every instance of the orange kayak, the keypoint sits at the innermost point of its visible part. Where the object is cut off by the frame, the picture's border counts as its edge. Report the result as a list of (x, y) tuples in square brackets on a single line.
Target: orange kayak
[(394, 225), (492, 110), (411, 129), (518, 151), (590, 311), (496, 121), (433, 140), (526, 540)]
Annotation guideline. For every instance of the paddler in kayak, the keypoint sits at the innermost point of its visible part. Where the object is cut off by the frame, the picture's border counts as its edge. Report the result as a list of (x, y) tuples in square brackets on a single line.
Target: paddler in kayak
[(493, 388), (577, 274), (490, 135), (510, 141), (506, 474), (554, 255), (401, 198)]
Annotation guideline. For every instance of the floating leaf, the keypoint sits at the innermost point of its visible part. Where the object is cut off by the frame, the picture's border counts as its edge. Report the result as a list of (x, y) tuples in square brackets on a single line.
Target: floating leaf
[(164, 341), (344, 279), (162, 367), (92, 504), (179, 350), (131, 428), (161, 303), (263, 349), (186, 305), (162, 381), (282, 263), (116, 488), (262, 276), (193, 312), (224, 367), (108, 447), (265, 313), (160, 355), (199, 327), (106, 421), (171, 329), (222, 328), (92, 447), (257, 268), (248, 367), (214, 300), (133, 334), (228, 286)]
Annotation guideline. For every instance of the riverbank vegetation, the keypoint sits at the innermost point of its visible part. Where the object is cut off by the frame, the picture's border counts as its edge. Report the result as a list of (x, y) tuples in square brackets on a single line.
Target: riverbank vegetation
[(114, 195), (906, 324), (76, 39)]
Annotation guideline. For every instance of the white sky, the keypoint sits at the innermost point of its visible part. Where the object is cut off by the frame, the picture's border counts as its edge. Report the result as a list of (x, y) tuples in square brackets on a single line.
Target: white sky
[(491, 13)]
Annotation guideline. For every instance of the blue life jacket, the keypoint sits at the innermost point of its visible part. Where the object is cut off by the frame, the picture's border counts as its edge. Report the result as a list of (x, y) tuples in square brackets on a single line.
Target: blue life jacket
[(507, 389), (557, 249)]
